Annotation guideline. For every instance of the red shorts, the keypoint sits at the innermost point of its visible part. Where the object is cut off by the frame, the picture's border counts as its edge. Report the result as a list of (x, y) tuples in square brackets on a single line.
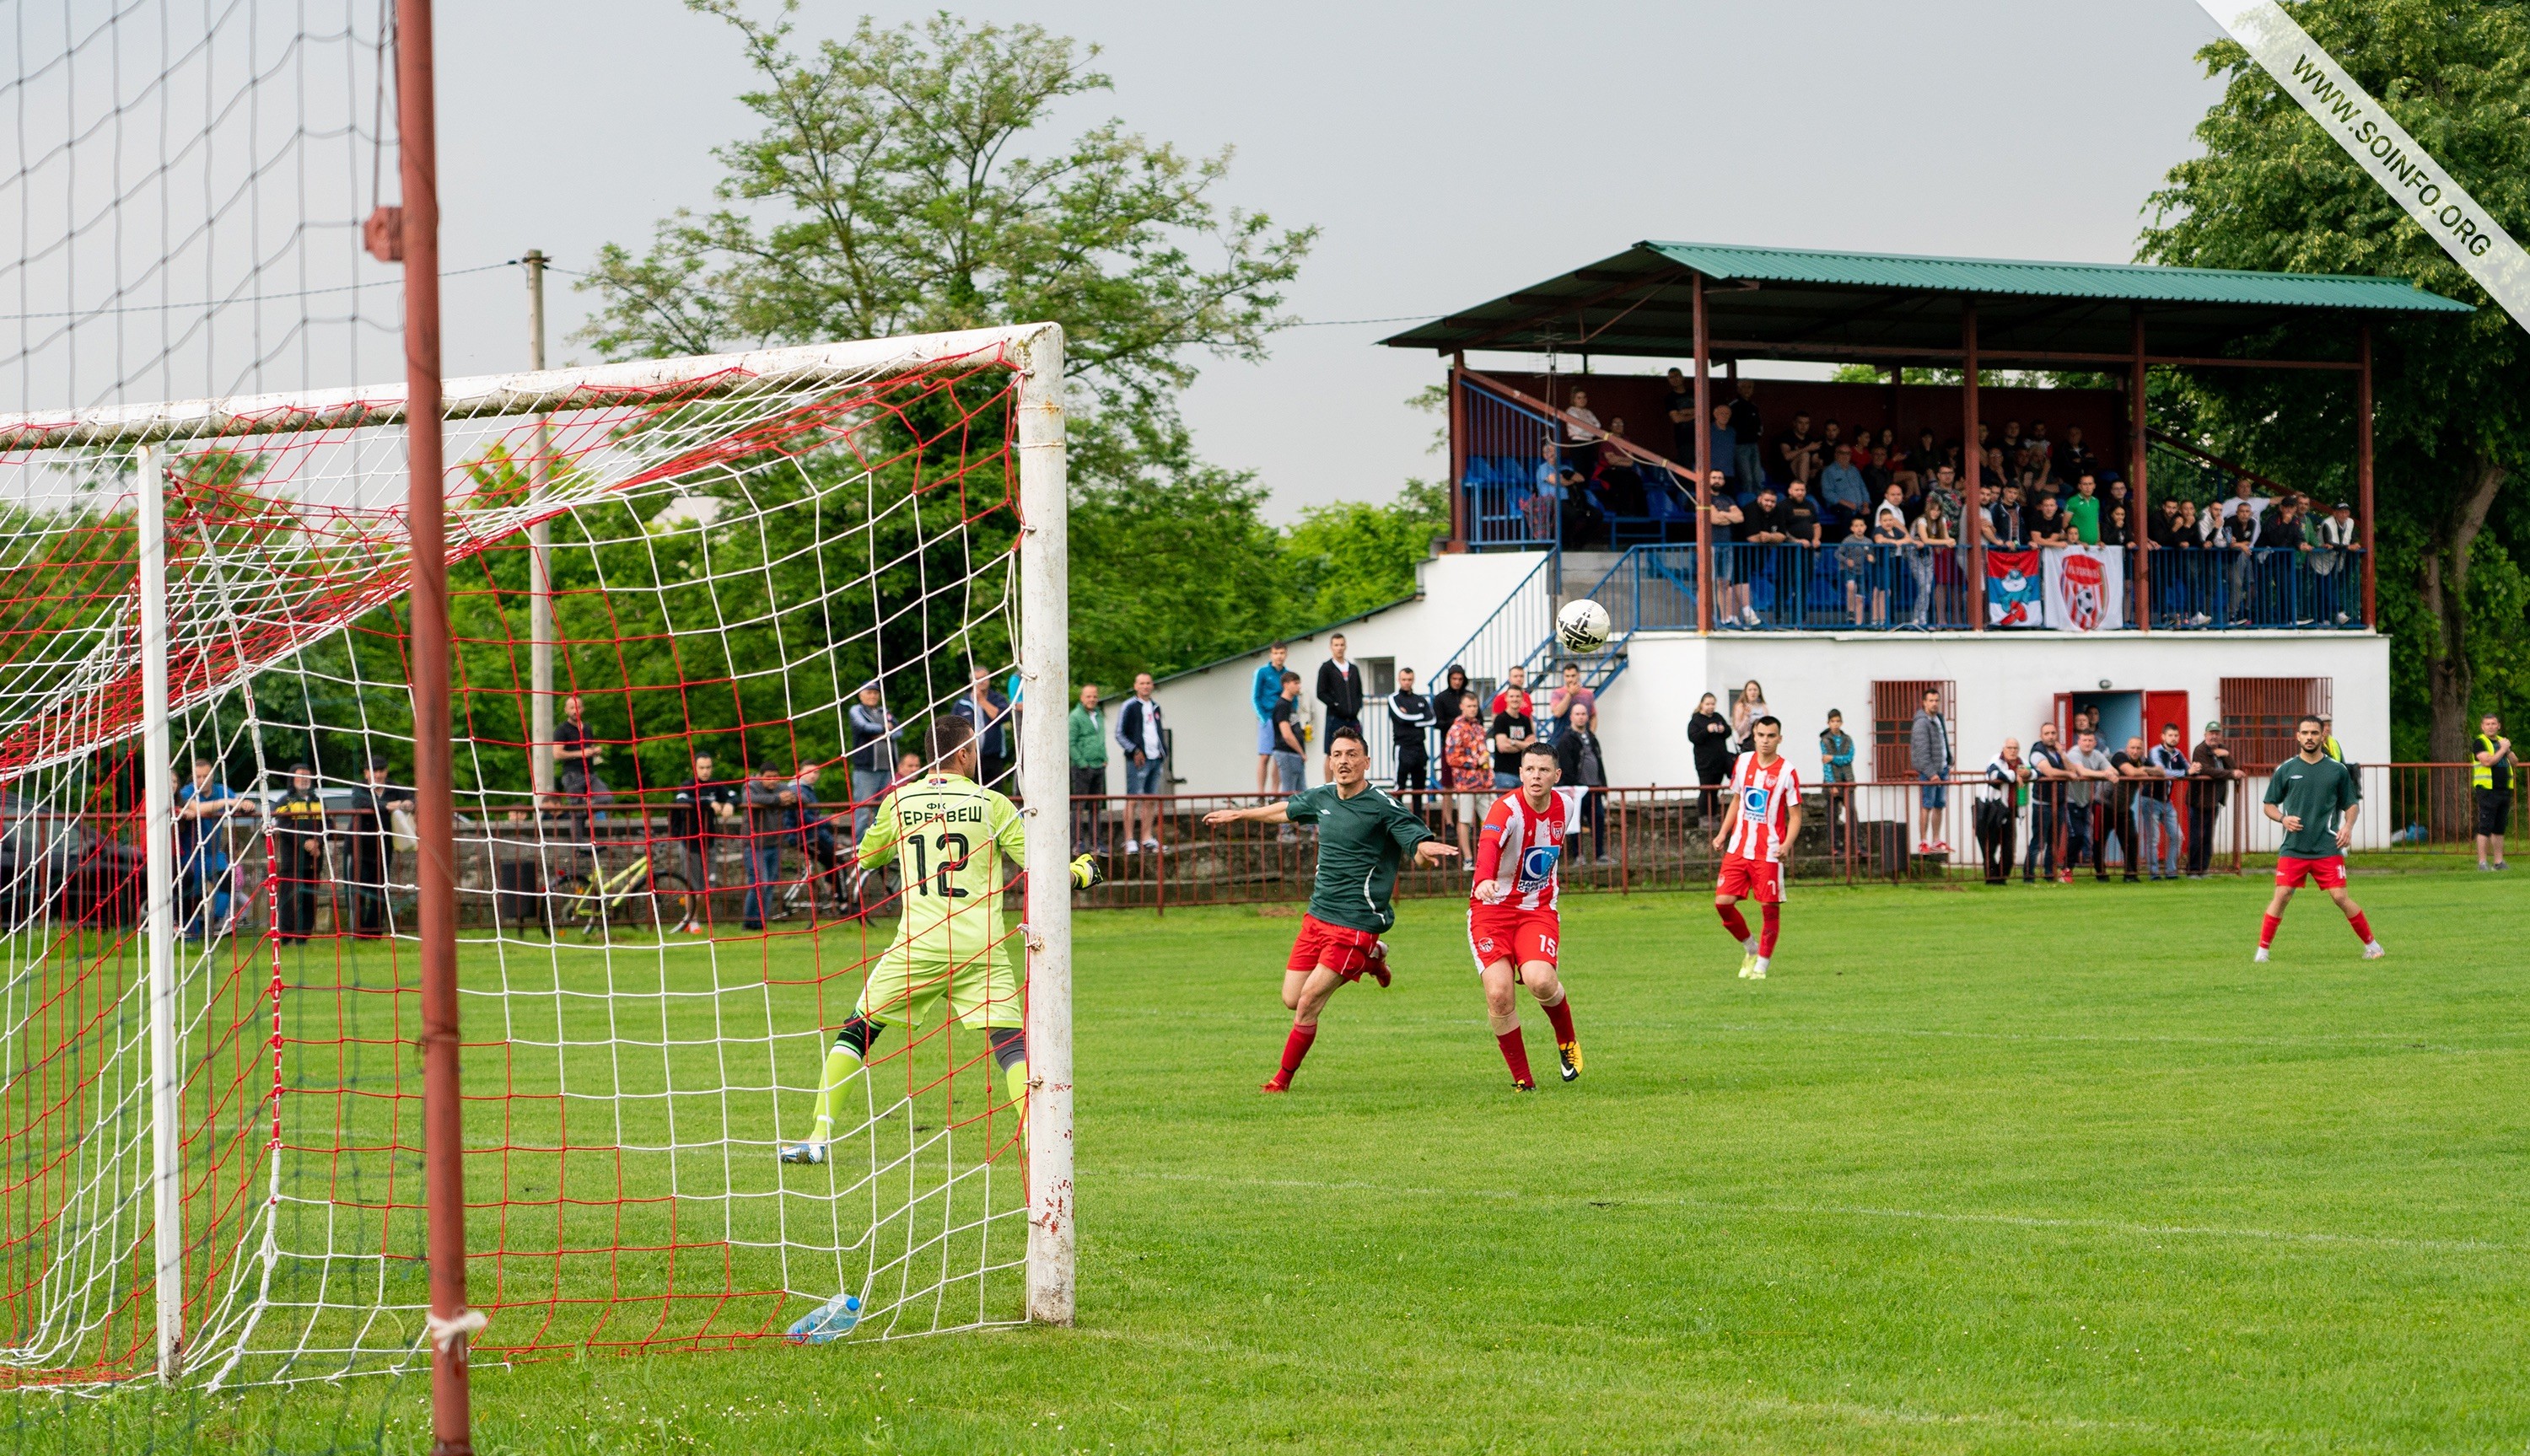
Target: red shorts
[(1339, 948), (1499, 933), (1756, 880), (2328, 873)]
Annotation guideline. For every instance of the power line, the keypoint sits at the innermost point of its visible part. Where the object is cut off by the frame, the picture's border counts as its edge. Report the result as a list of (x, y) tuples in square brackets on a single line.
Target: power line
[(342, 288)]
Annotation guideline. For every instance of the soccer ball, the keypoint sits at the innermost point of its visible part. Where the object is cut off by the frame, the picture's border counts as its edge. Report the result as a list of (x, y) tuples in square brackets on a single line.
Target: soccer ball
[(1582, 626)]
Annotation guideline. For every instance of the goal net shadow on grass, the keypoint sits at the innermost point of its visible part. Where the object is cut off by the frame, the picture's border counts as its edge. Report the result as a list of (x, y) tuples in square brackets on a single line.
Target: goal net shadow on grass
[(734, 548)]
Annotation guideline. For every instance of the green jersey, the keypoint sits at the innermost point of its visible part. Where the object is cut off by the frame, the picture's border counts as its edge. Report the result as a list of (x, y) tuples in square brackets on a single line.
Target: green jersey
[(956, 839), (2085, 511), (2314, 794), (1361, 842)]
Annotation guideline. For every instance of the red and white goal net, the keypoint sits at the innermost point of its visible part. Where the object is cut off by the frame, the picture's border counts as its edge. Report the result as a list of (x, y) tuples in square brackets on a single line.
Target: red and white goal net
[(211, 1158)]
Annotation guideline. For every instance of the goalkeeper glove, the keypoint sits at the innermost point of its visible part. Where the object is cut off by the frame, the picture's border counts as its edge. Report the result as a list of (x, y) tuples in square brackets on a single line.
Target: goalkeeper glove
[(1085, 870)]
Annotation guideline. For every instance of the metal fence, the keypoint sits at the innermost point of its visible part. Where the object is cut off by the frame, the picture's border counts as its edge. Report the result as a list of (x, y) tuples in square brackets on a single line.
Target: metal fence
[(1659, 837)]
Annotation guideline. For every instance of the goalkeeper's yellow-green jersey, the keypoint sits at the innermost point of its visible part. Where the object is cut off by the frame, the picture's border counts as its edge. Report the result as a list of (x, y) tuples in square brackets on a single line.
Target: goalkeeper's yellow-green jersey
[(956, 840)]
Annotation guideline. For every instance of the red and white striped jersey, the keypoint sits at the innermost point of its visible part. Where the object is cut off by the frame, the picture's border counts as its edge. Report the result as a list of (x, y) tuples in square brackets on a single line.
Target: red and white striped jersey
[(1533, 843), (1766, 796)]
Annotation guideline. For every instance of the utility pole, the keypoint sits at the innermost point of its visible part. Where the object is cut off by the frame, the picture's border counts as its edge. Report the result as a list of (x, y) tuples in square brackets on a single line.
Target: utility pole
[(540, 618)]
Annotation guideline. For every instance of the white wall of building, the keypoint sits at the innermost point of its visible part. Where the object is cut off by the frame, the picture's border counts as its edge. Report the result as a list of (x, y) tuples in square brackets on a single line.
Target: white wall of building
[(2008, 683), (1208, 710)]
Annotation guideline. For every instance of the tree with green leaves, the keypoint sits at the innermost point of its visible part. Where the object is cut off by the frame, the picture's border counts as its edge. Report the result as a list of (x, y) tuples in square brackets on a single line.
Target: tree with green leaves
[(2273, 191)]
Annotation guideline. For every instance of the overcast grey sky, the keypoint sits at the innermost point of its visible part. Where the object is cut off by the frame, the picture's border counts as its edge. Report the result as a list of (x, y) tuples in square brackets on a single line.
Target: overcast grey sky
[(1450, 153)]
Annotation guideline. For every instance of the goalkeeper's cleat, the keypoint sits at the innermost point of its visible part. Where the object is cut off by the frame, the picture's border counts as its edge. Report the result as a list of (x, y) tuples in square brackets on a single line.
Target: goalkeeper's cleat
[(1747, 964), (2262, 954), (809, 1154), (831, 1321), (1085, 870), (1379, 963), (2374, 951), (1568, 1055)]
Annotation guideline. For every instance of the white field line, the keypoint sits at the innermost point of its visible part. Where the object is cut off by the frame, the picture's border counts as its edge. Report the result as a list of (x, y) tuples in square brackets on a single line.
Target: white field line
[(1858, 1210)]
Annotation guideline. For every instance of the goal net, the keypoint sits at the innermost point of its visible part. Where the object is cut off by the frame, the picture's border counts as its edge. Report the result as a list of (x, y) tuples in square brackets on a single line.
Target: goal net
[(211, 1159)]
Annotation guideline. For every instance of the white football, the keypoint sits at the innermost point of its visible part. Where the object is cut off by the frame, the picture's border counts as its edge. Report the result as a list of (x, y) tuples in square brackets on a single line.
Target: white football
[(1582, 626)]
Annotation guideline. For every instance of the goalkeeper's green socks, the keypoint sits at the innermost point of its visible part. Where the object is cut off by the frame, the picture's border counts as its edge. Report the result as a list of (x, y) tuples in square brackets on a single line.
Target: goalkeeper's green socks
[(842, 1063)]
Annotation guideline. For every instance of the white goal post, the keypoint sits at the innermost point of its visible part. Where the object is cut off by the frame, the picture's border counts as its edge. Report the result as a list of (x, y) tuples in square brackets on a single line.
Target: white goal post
[(219, 582)]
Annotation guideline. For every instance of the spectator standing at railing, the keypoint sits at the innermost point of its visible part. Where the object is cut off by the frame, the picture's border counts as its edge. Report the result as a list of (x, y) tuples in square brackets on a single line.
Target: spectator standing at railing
[(1264, 690), (1929, 544), (1086, 729), (2113, 527), (873, 752), (2048, 525), (1765, 522), (1928, 746), (2493, 766), (2082, 508), (2133, 765), (2217, 768), (1722, 520), (1339, 686), (370, 818), (1581, 434), (1445, 704), (1556, 496), (1516, 682), (1843, 491), (1409, 729), (770, 800), (2334, 540), (987, 712), (1679, 409), (2236, 535), (1567, 695), (2007, 519), (296, 824), (816, 834), (1802, 523), (2093, 775), (1723, 440), (697, 808), (1855, 570), (2280, 537), (2047, 781), (1290, 751), (2156, 817), (1585, 764), (1708, 741), (1467, 759), (1748, 432), (1944, 493), (1836, 772), (1141, 730), (1514, 730), (1997, 811), (576, 754)]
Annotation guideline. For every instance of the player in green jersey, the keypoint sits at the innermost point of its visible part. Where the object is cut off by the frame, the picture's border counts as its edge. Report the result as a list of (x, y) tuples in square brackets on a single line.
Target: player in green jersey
[(1363, 837), (958, 840), (2306, 795)]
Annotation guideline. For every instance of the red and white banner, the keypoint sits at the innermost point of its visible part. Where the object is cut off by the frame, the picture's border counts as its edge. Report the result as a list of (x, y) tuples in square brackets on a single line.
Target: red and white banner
[(2086, 588)]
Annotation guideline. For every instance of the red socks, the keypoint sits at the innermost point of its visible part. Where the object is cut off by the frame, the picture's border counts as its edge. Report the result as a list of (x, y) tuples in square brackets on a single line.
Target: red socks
[(1560, 1014), (1773, 919), (2362, 927), (2267, 932), (1733, 922), (1515, 1050), (1295, 1048)]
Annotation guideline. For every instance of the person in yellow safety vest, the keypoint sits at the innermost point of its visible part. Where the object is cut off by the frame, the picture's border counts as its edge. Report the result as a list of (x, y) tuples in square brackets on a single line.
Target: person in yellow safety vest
[(2490, 786), (2331, 747)]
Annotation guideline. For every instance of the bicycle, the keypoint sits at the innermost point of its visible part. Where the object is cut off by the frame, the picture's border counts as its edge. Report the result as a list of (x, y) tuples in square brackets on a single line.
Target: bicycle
[(635, 899), (832, 872)]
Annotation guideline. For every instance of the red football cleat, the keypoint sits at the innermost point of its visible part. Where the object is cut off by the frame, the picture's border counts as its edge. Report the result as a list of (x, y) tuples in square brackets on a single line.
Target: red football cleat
[(1379, 963), (1275, 1084)]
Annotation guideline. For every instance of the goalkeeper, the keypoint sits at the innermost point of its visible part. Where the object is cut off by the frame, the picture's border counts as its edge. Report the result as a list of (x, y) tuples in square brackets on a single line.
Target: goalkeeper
[(953, 838)]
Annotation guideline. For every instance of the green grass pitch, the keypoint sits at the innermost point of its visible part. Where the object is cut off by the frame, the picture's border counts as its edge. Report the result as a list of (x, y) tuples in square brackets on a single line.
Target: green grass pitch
[(2033, 1169)]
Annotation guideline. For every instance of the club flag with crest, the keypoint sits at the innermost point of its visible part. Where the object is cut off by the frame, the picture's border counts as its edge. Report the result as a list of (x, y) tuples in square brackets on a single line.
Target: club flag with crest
[(2086, 588), (2012, 582)]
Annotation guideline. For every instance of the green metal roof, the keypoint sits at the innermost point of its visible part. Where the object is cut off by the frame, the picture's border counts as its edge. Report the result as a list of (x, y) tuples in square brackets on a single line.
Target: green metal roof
[(1891, 307), (2139, 282)]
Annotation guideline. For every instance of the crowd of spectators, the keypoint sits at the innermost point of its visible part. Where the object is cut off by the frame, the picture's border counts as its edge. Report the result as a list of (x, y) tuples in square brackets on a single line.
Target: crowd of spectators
[(2084, 804), (1891, 512)]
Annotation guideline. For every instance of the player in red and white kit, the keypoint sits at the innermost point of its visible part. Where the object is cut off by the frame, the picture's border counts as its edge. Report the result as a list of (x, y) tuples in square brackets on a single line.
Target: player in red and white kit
[(1512, 924), (1757, 832)]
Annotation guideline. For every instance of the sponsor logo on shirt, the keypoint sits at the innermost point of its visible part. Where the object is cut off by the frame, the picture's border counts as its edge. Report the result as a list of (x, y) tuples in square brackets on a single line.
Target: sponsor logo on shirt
[(1753, 800), (1537, 866)]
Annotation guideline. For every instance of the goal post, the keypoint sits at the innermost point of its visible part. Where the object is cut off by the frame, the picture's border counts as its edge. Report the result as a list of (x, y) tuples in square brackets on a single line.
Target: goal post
[(205, 666)]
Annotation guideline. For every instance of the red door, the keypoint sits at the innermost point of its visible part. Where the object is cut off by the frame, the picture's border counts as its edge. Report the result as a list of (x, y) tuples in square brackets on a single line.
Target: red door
[(2159, 708)]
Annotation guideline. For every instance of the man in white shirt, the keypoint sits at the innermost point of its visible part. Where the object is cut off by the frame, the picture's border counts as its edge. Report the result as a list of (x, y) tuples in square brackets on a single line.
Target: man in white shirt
[(1146, 754)]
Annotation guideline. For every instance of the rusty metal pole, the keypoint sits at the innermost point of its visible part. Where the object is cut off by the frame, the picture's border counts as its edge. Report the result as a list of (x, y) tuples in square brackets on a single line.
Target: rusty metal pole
[(1704, 532), (2139, 520), (2363, 468), (1972, 513), (434, 797)]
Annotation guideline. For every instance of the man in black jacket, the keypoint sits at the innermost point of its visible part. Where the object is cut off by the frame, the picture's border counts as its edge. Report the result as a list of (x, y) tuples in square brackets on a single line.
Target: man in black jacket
[(1339, 692), (369, 818), (299, 842), (1409, 727), (703, 807)]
